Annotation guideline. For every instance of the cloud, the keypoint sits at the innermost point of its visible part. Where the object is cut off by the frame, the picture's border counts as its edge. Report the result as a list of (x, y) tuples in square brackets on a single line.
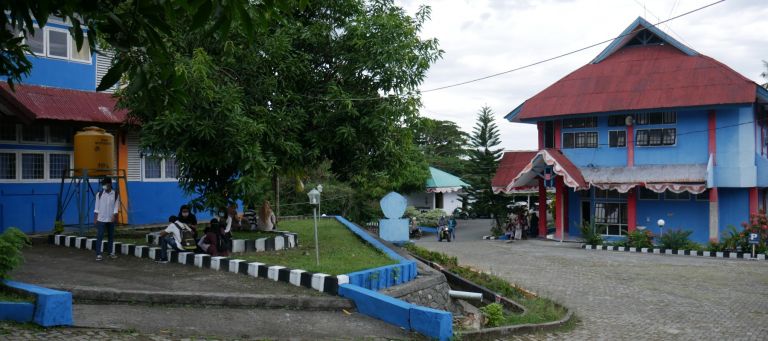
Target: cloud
[(482, 37)]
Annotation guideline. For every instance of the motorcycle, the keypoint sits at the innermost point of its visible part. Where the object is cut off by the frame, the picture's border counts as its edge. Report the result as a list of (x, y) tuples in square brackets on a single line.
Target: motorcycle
[(444, 232)]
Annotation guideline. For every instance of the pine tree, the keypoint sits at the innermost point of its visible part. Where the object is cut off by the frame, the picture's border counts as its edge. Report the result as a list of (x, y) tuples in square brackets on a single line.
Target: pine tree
[(483, 161)]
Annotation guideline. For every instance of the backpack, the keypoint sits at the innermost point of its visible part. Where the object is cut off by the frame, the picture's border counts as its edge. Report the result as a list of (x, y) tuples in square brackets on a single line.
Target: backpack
[(187, 238), (225, 242)]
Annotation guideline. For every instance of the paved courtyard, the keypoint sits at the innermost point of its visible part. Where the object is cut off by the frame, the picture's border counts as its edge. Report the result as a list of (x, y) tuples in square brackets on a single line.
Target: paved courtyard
[(621, 296)]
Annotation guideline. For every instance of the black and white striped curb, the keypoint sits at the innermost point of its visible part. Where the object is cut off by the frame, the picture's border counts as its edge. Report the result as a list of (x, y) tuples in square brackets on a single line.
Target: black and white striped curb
[(283, 240), (694, 253), (490, 237), (318, 281)]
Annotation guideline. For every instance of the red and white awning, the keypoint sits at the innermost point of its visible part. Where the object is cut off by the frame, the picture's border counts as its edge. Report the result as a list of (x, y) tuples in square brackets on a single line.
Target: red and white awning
[(560, 164)]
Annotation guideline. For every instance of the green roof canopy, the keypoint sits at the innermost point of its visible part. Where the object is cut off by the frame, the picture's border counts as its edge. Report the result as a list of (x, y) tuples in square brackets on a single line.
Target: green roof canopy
[(443, 180)]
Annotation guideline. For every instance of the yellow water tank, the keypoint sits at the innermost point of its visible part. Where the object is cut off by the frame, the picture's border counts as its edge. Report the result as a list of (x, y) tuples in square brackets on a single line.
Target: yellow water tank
[(94, 151)]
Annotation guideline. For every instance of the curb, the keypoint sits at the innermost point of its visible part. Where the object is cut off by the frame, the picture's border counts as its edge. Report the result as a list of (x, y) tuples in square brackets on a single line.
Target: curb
[(691, 253), (318, 281), (208, 299), (284, 240)]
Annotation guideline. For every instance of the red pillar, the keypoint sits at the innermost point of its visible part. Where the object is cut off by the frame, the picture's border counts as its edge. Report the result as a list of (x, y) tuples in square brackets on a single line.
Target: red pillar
[(542, 209), (558, 136), (559, 206), (630, 146), (540, 126), (712, 135), (753, 200), (632, 209), (714, 207)]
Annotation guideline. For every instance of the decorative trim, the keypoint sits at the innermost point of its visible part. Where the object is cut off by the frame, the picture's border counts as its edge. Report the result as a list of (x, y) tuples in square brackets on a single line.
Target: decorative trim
[(692, 253)]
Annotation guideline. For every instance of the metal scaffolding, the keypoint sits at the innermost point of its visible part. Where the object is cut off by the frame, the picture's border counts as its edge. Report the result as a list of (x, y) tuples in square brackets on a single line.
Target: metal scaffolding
[(79, 187)]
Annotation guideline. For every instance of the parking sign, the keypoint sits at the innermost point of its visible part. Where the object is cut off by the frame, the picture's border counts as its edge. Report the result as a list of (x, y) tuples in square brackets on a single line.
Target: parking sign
[(754, 238)]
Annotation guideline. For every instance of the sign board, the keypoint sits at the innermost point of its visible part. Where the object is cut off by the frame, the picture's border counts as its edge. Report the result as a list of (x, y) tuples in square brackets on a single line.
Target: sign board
[(754, 238)]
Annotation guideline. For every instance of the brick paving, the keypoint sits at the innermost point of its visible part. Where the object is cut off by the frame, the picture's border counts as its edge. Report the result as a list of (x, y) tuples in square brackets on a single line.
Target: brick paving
[(621, 296)]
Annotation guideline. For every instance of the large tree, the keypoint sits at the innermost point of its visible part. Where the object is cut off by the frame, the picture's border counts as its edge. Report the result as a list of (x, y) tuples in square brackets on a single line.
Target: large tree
[(443, 143), (484, 159), (334, 81)]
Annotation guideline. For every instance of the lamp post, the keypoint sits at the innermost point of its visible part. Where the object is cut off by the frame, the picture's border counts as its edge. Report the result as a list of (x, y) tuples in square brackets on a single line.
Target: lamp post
[(314, 199), (661, 223), (319, 189)]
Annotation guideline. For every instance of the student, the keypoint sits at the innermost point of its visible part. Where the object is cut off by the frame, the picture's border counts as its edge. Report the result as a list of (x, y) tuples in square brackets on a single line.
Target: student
[(249, 213), (188, 218), (210, 240), (171, 238), (234, 220), (267, 218), (534, 225), (105, 215), (452, 226)]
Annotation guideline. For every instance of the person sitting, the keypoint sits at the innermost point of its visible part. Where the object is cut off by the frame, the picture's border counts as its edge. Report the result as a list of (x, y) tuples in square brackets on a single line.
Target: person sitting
[(234, 221), (187, 217), (171, 238), (209, 242), (267, 219), (249, 213)]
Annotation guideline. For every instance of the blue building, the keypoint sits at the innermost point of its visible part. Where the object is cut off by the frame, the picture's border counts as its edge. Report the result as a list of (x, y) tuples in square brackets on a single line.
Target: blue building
[(650, 129), (37, 125)]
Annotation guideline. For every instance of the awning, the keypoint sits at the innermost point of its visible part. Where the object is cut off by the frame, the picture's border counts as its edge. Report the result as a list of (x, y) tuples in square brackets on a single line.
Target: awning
[(512, 162), (560, 164), (658, 178), (31, 102)]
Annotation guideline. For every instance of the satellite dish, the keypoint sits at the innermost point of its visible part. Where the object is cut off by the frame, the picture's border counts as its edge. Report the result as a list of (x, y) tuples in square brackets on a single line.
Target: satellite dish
[(629, 120)]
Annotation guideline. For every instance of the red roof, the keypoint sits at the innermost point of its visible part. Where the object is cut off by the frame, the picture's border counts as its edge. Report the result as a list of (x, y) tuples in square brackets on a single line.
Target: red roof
[(563, 166), (509, 167), (46, 103), (641, 78)]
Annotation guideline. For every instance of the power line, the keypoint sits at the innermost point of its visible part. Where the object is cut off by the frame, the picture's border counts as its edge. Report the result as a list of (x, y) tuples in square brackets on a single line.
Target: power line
[(570, 52)]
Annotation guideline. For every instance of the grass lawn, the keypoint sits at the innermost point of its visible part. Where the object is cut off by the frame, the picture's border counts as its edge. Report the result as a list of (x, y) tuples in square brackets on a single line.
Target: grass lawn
[(341, 251), (8, 295)]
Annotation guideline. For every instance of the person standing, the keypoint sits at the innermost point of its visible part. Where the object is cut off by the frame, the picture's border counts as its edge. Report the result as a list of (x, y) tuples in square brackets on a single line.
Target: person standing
[(105, 215), (267, 219)]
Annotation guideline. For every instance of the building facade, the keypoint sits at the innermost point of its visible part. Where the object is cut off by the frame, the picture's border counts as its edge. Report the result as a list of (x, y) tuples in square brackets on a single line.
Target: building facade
[(37, 125), (443, 192), (650, 129)]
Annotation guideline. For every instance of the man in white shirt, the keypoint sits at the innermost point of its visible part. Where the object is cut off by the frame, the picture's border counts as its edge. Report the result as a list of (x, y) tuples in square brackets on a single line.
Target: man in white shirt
[(171, 237), (105, 215)]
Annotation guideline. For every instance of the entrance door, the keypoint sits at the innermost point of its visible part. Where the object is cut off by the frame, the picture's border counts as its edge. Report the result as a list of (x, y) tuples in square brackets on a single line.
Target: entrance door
[(438, 200), (586, 212)]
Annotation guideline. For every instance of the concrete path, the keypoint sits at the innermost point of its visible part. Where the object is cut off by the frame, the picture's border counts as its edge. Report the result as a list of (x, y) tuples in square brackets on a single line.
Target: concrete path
[(67, 267), (621, 296)]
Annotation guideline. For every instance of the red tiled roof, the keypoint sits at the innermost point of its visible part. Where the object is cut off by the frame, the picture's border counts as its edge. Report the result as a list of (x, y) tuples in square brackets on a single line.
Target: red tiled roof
[(641, 77), (510, 166), (564, 167), (46, 103)]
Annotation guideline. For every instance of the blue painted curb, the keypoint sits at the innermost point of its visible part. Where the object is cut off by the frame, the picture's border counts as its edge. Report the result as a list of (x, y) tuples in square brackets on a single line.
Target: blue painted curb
[(17, 311), (51, 308)]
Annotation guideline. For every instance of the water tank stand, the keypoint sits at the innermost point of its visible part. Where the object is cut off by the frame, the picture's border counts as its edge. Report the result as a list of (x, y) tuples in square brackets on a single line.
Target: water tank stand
[(79, 187)]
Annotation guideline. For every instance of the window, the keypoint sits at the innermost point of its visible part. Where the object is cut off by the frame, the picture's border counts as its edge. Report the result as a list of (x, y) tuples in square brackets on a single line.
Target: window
[(609, 194), (60, 134), (647, 194), (32, 133), (57, 164), (665, 117), (656, 137), (84, 54), (617, 138), (582, 139), (611, 218), (677, 196), (7, 166), (58, 43), (7, 131), (171, 170), (703, 196), (36, 41), (152, 167), (585, 122), (32, 166), (617, 120)]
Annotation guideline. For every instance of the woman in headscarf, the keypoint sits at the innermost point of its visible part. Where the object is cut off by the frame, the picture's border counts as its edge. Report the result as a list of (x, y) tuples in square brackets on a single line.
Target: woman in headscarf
[(188, 218), (267, 219)]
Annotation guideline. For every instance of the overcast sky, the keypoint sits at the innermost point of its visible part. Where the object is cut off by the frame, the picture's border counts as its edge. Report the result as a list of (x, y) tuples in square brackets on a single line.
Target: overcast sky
[(482, 37)]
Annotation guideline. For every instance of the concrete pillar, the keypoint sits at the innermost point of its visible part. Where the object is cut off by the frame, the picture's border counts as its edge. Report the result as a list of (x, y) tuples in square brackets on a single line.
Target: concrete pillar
[(559, 204), (632, 210), (542, 209), (714, 215), (753, 200)]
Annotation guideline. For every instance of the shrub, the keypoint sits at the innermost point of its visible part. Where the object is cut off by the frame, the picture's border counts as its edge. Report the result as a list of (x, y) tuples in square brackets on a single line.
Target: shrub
[(640, 239), (733, 239), (675, 239), (590, 236), (58, 227), (428, 218), (494, 314), (714, 246), (11, 242)]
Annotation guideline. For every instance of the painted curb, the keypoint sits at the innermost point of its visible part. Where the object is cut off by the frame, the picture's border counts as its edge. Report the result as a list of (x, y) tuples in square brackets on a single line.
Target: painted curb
[(691, 253), (282, 240), (51, 307)]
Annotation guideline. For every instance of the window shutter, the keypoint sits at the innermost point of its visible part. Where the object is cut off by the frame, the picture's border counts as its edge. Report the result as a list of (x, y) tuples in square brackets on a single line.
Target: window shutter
[(134, 157)]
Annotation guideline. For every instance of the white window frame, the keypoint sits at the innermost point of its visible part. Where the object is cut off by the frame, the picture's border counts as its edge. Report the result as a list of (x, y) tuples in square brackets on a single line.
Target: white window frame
[(617, 130), (47, 44), (18, 135), (45, 40), (70, 43), (162, 177), (46, 165)]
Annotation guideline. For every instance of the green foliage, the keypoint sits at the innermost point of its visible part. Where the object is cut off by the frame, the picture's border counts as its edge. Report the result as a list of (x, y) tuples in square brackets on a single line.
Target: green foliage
[(432, 256), (11, 242), (714, 246), (58, 227), (494, 314), (443, 143), (675, 239), (640, 239), (732, 238), (484, 157), (429, 218), (590, 235)]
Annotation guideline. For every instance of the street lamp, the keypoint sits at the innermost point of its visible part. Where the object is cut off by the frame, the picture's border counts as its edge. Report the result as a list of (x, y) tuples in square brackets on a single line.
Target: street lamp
[(314, 199), (661, 223), (319, 189)]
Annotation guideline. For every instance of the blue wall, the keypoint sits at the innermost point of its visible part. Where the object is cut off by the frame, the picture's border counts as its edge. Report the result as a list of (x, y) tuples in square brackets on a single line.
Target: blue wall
[(153, 202), (602, 155), (734, 207), (689, 214), (736, 148), (691, 143)]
